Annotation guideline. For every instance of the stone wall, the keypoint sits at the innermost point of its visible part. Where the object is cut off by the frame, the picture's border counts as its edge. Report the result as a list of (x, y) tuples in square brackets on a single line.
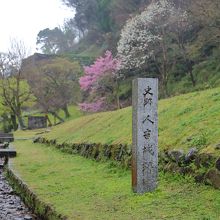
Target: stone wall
[(35, 122), (204, 167), (121, 153)]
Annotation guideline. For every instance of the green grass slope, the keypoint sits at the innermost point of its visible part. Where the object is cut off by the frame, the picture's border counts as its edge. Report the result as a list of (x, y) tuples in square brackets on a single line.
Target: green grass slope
[(190, 120), (84, 189)]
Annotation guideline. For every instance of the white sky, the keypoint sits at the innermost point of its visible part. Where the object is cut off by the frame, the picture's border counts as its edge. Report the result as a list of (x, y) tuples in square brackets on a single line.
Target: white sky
[(23, 19)]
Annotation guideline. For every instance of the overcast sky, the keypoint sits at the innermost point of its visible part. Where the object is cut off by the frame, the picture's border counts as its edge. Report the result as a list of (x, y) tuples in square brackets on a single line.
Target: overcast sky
[(23, 19)]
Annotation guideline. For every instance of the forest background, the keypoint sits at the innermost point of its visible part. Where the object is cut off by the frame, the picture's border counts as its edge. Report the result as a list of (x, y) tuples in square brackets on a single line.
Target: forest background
[(92, 59)]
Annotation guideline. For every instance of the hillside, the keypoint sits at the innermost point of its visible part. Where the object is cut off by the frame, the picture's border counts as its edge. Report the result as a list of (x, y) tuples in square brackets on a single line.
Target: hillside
[(190, 120), (191, 66), (84, 189)]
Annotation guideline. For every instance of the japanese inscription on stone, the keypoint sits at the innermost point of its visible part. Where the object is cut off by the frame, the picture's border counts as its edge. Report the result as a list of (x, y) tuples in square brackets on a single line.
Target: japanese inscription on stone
[(144, 135)]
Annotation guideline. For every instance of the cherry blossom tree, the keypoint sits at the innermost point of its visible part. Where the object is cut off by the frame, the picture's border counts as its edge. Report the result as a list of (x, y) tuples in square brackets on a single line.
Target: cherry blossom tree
[(101, 84)]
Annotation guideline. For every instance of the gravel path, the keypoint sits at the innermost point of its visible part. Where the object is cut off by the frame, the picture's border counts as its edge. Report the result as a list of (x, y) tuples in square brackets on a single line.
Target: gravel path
[(11, 206)]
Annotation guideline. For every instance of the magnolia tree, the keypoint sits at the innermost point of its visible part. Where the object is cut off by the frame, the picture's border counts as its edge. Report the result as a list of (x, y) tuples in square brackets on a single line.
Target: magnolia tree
[(147, 38), (100, 82)]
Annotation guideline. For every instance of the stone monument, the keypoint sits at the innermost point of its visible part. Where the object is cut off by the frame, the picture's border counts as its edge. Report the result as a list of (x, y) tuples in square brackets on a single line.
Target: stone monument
[(144, 135), (36, 122)]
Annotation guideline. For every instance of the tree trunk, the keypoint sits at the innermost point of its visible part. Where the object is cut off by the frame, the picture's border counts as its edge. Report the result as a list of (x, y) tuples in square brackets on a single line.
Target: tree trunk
[(190, 69), (165, 89), (49, 121), (164, 65), (188, 62), (117, 95), (21, 125), (14, 123), (6, 125), (57, 116), (192, 78), (66, 111), (118, 102)]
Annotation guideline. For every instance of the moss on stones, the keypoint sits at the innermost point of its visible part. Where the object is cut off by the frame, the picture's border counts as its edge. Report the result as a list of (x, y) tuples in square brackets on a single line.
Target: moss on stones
[(191, 163), (41, 209)]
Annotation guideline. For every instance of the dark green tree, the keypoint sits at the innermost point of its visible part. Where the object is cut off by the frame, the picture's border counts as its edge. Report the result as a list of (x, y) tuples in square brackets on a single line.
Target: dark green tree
[(56, 40)]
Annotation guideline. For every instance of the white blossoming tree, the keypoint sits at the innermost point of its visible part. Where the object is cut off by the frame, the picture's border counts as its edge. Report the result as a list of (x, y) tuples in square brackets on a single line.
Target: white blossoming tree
[(149, 37)]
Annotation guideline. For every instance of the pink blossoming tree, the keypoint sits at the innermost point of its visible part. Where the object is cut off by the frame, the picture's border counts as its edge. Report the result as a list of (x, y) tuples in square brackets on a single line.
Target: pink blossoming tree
[(100, 82)]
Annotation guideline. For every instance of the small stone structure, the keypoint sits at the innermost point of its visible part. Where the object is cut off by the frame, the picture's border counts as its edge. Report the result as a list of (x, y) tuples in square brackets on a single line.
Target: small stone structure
[(144, 135), (6, 137), (35, 122)]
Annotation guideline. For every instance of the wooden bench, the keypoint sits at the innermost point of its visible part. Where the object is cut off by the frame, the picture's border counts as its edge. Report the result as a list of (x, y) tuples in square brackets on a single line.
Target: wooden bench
[(7, 153), (6, 137)]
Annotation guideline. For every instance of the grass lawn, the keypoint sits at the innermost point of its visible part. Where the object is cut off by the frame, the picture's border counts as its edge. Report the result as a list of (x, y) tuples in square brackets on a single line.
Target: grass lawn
[(84, 189)]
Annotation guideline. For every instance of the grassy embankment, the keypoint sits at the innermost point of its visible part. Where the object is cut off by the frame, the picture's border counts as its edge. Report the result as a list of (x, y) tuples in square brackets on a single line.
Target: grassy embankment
[(190, 120), (84, 189)]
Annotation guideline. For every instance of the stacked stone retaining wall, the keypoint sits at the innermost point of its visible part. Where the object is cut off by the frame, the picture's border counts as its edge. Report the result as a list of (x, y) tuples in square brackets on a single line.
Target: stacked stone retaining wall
[(204, 167)]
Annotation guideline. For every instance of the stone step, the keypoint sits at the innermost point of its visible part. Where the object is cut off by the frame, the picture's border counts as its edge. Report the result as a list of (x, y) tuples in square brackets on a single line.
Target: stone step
[(9, 152), (4, 145), (6, 137)]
